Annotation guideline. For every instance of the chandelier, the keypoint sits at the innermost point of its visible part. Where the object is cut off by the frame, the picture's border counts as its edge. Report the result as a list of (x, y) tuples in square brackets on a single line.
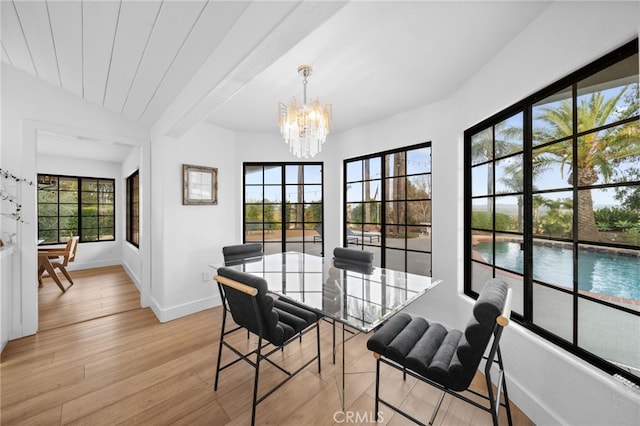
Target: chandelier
[(304, 127)]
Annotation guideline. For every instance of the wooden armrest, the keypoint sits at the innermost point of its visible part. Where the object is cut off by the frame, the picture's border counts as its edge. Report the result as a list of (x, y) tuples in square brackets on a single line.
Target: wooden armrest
[(52, 252), (503, 318), (251, 291)]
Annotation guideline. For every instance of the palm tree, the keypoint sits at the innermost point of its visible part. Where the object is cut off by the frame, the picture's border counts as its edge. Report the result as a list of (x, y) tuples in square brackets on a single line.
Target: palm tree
[(598, 152), (558, 218), (485, 148), (512, 180)]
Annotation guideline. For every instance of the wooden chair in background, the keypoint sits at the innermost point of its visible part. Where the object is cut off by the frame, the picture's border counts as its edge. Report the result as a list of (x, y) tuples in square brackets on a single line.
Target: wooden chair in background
[(50, 259)]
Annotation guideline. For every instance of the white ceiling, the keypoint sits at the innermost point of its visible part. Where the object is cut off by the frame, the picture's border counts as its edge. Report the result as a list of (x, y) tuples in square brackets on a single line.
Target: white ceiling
[(80, 147), (231, 62)]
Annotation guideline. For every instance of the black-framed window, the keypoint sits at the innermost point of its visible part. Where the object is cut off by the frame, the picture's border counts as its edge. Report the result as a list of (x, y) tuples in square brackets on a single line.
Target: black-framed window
[(387, 207), (283, 206), (133, 209), (552, 206), (71, 205)]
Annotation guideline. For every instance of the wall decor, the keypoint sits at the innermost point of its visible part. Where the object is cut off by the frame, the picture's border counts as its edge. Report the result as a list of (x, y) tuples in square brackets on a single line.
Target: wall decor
[(199, 185)]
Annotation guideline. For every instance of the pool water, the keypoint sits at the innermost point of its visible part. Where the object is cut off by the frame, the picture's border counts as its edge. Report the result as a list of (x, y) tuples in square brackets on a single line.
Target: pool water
[(602, 273)]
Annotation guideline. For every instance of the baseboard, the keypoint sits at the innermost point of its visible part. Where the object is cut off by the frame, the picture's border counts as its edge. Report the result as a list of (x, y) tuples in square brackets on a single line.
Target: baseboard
[(179, 311), (78, 266), (132, 275), (528, 403)]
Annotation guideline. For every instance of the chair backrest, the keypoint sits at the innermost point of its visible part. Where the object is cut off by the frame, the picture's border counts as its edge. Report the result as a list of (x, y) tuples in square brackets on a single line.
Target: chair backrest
[(70, 251), (237, 253), (353, 259), (476, 336), (251, 309)]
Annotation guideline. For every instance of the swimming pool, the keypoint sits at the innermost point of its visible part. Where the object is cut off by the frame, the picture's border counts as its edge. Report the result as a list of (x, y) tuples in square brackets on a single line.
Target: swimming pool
[(598, 272)]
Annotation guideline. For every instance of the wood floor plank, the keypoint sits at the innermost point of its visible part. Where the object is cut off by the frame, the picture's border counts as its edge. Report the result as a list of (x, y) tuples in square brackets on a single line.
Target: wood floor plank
[(125, 387), (196, 405), (50, 416), (134, 404), (47, 380), (92, 295), (121, 366)]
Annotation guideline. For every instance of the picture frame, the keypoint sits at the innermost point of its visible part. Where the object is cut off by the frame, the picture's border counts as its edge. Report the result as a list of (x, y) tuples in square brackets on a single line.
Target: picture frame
[(199, 185)]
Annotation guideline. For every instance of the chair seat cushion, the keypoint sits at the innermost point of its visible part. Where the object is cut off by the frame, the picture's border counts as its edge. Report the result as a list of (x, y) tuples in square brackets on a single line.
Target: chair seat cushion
[(427, 349), (447, 357), (292, 319), (280, 319)]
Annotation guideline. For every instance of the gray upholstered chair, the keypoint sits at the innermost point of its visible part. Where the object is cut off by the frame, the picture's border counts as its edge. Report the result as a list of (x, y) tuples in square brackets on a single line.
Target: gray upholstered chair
[(448, 359), (356, 260), (236, 254), (353, 259), (253, 309)]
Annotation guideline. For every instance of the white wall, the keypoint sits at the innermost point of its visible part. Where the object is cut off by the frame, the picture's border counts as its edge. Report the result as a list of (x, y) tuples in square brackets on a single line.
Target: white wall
[(28, 106), (6, 296), (189, 238), (131, 256)]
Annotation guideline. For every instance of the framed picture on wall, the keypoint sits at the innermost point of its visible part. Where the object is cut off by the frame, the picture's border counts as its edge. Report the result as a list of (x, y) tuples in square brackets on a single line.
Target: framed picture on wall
[(199, 185)]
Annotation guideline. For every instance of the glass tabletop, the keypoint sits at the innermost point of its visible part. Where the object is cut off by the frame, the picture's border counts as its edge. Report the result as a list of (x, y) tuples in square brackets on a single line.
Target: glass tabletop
[(362, 300)]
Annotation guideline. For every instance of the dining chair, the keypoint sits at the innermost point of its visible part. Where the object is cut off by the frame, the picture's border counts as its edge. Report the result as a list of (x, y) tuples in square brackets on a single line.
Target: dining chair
[(449, 359), (356, 260), (50, 259), (353, 259), (253, 309), (243, 253), (235, 254)]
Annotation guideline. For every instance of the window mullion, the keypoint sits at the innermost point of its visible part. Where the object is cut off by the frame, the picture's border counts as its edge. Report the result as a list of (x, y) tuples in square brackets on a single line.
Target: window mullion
[(527, 232), (576, 209), (284, 212), (79, 230)]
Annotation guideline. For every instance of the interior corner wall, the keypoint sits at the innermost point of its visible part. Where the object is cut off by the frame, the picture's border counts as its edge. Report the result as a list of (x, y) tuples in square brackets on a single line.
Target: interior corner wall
[(191, 237), (431, 123), (131, 256), (29, 105)]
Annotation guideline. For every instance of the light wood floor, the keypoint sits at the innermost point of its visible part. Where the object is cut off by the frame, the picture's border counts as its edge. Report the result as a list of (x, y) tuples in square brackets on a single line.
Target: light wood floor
[(124, 367), (96, 293)]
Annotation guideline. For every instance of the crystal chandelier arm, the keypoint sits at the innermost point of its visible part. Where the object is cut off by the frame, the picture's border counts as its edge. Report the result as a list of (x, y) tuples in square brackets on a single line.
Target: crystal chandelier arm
[(305, 127)]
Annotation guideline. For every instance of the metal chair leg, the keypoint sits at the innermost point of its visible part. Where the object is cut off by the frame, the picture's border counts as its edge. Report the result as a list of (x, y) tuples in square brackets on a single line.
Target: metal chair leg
[(377, 404), (255, 382), (433, 415), (318, 343)]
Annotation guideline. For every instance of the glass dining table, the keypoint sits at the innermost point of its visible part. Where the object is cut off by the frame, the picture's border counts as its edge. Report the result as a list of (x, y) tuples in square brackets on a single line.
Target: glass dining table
[(353, 297)]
